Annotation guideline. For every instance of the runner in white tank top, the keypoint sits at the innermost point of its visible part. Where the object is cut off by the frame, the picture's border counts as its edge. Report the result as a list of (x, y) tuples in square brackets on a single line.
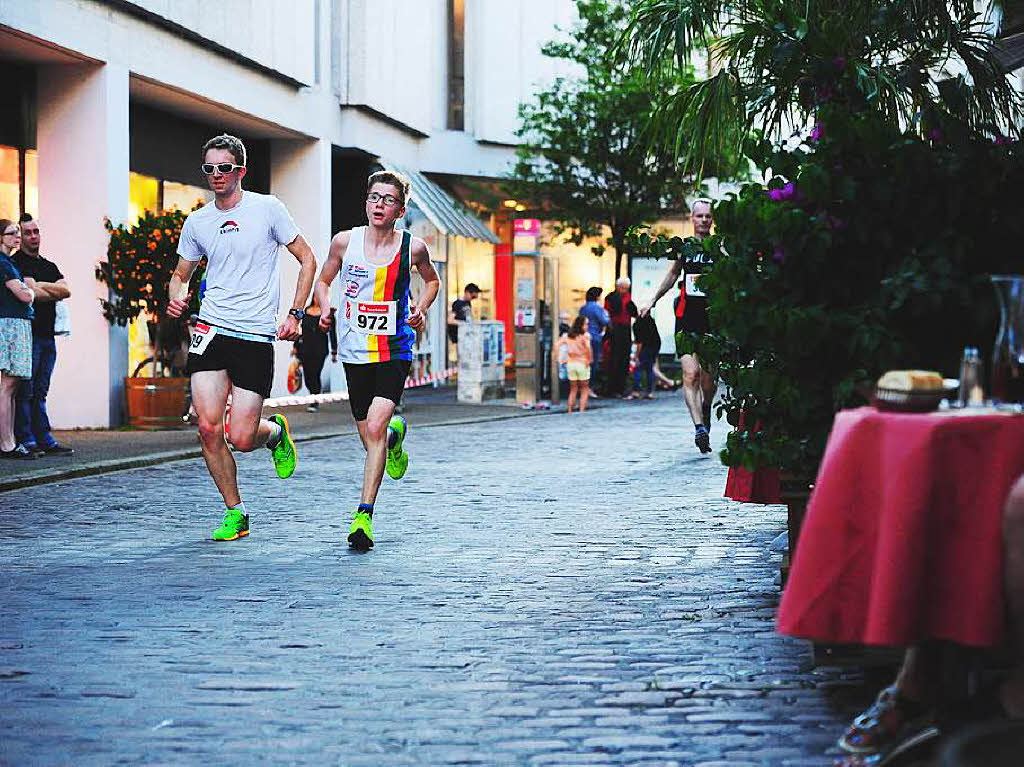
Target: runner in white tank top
[(378, 325)]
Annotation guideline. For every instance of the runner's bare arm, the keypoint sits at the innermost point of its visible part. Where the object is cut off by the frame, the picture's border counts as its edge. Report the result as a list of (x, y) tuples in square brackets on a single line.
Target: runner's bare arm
[(322, 288), (421, 260), (177, 290), (290, 329), (670, 279)]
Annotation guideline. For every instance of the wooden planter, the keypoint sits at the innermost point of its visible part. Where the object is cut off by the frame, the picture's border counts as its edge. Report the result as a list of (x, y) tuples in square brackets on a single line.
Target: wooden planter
[(794, 491), (156, 403)]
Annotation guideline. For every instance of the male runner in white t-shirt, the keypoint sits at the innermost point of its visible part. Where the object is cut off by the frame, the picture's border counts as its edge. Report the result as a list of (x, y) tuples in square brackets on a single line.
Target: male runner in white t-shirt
[(377, 328), (232, 349)]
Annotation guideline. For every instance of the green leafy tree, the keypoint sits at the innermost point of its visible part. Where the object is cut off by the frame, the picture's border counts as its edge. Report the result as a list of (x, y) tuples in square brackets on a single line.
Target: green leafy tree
[(585, 158), (776, 63)]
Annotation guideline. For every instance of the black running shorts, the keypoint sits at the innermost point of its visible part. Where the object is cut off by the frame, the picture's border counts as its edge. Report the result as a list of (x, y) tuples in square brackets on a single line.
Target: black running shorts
[(249, 364), (375, 379)]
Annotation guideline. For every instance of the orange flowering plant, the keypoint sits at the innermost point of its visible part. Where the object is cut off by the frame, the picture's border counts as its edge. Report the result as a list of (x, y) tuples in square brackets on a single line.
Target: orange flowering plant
[(140, 261)]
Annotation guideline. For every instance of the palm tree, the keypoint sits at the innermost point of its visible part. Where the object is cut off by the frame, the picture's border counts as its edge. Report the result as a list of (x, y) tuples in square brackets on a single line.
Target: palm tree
[(775, 63)]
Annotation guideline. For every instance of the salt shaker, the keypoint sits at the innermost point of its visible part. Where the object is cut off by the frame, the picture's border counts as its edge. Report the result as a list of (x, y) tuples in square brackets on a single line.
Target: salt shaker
[(971, 390)]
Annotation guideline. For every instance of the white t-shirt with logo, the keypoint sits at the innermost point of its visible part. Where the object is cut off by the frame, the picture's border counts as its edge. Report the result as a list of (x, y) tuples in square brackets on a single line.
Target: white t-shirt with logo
[(243, 283)]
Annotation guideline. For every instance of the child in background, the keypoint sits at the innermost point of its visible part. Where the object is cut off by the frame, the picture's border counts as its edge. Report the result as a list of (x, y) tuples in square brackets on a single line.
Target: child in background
[(580, 357)]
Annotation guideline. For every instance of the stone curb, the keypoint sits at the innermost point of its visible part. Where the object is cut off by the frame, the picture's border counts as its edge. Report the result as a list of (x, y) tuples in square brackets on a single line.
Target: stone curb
[(125, 464)]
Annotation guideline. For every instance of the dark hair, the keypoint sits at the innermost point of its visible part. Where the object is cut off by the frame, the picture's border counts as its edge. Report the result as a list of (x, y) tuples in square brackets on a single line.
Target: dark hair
[(397, 180), (472, 287), (577, 326), (226, 141), (4, 223), (24, 218), (594, 293), (681, 283)]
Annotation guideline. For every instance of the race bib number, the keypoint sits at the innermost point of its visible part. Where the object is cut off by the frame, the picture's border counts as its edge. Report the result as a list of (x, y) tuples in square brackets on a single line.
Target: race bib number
[(372, 318), (691, 286), (202, 334)]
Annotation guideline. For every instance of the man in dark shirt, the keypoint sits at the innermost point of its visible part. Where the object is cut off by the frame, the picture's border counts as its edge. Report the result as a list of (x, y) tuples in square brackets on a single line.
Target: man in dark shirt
[(31, 424), (462, 311)]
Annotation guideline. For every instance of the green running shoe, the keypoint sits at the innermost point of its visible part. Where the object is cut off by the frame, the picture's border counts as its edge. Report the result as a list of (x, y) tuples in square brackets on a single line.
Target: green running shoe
[(397, 459), (360, 534), (234, 526), (284, 452)]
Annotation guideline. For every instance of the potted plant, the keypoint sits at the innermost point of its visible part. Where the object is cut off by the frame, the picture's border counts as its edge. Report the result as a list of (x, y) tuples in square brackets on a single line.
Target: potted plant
[(140, 261)]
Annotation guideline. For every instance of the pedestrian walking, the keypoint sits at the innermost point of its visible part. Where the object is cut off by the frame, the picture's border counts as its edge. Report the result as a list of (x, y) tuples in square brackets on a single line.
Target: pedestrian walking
[(579, 357), (16, 312), (699, 385), (597, 321), (621, 311), (645, 331), (462, 310), (313, 347), (378, 327), (31, 421), (232, 351)]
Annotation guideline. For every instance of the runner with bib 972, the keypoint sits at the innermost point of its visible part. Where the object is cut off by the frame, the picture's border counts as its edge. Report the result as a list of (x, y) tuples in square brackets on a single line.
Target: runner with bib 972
[(232, 351), (377, 326)]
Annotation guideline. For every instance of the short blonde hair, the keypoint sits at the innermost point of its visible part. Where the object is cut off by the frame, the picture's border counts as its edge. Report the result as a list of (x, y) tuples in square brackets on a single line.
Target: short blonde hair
[(397, 180), (703, 201)]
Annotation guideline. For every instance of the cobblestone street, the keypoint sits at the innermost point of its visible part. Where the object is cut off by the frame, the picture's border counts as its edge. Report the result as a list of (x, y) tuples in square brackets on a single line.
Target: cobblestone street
[(548, 590)]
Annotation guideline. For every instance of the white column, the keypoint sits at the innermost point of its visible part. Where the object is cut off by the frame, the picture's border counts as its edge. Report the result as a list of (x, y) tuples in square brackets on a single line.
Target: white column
[(300, 176), (82, 138)]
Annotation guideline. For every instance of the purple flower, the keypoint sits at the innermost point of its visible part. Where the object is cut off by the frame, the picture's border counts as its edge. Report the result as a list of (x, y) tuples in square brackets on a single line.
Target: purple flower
[(788, 192), (839, 62), (817, 132), (779, 256), (1001, 140), (935, 134)]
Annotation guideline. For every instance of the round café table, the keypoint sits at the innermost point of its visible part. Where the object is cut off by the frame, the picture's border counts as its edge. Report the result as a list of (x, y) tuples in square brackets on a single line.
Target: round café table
[(902, 541)]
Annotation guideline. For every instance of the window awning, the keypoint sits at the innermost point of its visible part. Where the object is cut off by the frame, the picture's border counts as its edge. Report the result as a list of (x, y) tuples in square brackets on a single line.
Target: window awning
[(441, 209)]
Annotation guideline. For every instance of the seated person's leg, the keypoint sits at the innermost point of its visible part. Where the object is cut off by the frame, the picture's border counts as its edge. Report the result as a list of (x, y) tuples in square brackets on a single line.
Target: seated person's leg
[(1012, 692)]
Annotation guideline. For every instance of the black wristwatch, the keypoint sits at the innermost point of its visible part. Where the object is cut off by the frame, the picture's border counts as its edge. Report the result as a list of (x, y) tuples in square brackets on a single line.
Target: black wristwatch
[(297, 313)]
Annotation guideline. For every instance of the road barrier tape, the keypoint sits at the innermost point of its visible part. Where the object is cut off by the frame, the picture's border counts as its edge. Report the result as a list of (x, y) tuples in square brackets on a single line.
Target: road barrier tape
[(317, 399)]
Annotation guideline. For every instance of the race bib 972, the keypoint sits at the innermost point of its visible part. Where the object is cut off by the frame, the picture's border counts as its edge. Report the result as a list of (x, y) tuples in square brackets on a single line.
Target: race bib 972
[(372, 318), (202, 334)]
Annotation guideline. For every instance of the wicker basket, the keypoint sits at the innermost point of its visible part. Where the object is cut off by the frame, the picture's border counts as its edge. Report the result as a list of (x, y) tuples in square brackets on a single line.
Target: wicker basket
[(908, 401)]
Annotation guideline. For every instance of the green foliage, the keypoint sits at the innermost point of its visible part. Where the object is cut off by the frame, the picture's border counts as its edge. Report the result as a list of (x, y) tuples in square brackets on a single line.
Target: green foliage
[(777, 63), (585, 155), (140, 261), (867, 250)]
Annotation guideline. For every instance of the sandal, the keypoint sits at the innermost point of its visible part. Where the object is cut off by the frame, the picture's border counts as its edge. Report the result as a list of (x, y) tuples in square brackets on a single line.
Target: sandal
[(888, 721)]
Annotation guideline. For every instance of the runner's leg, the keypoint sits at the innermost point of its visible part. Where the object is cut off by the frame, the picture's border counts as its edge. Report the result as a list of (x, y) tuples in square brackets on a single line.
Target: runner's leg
[(374, 434), (709, 386), (210, 390), (692, 392), (247, 431)]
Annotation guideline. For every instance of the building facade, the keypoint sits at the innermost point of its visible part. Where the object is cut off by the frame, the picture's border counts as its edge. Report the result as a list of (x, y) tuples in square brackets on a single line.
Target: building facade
[(113, 100)]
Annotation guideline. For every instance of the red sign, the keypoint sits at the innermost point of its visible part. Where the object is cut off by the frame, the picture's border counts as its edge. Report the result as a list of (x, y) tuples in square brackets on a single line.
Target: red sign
[(528, 227)]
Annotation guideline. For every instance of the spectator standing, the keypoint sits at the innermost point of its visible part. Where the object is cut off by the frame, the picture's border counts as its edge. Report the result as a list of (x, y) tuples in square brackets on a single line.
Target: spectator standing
[(462, 311), (580, 356), (645, 331), (313, 349), (621, 310), (31, 422), (16, 298), (597, 321)]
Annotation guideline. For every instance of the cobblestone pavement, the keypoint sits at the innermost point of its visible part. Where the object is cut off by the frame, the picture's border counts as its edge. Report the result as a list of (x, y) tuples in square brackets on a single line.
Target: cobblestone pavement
[(565, 589)]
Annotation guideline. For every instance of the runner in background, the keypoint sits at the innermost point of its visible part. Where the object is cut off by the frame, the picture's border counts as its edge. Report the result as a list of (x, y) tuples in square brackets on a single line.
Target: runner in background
[(232, 353), (699, 385), (377, 325)]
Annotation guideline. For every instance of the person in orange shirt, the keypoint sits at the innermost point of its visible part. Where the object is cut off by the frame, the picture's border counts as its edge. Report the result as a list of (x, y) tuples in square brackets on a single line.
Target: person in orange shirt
[(580, 357)]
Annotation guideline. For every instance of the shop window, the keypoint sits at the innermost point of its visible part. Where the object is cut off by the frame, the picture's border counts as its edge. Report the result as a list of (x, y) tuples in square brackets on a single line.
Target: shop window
[(10, 183), (31, 202), (184, 197)]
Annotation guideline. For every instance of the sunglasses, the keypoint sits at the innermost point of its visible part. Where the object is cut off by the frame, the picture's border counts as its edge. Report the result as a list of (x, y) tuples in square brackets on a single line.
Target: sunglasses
[(11, 234), (373, 198), (222, 167)]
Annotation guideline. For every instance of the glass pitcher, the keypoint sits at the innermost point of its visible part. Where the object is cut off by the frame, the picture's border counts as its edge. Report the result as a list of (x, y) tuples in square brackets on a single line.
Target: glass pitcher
[(1008, 354)]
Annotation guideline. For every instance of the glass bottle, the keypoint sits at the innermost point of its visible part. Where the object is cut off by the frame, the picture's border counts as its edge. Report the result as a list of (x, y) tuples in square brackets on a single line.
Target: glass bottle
[(1008, 354)]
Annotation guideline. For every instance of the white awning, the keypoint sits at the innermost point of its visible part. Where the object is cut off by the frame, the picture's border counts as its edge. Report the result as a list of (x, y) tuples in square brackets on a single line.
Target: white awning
[(441, 209)]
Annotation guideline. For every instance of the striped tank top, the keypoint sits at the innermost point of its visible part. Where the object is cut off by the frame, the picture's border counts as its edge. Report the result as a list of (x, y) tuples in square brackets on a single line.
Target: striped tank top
[(375, 305)]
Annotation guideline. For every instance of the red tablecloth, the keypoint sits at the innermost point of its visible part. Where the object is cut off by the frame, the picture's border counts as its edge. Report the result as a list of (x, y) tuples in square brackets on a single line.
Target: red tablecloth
[(902, 540)]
